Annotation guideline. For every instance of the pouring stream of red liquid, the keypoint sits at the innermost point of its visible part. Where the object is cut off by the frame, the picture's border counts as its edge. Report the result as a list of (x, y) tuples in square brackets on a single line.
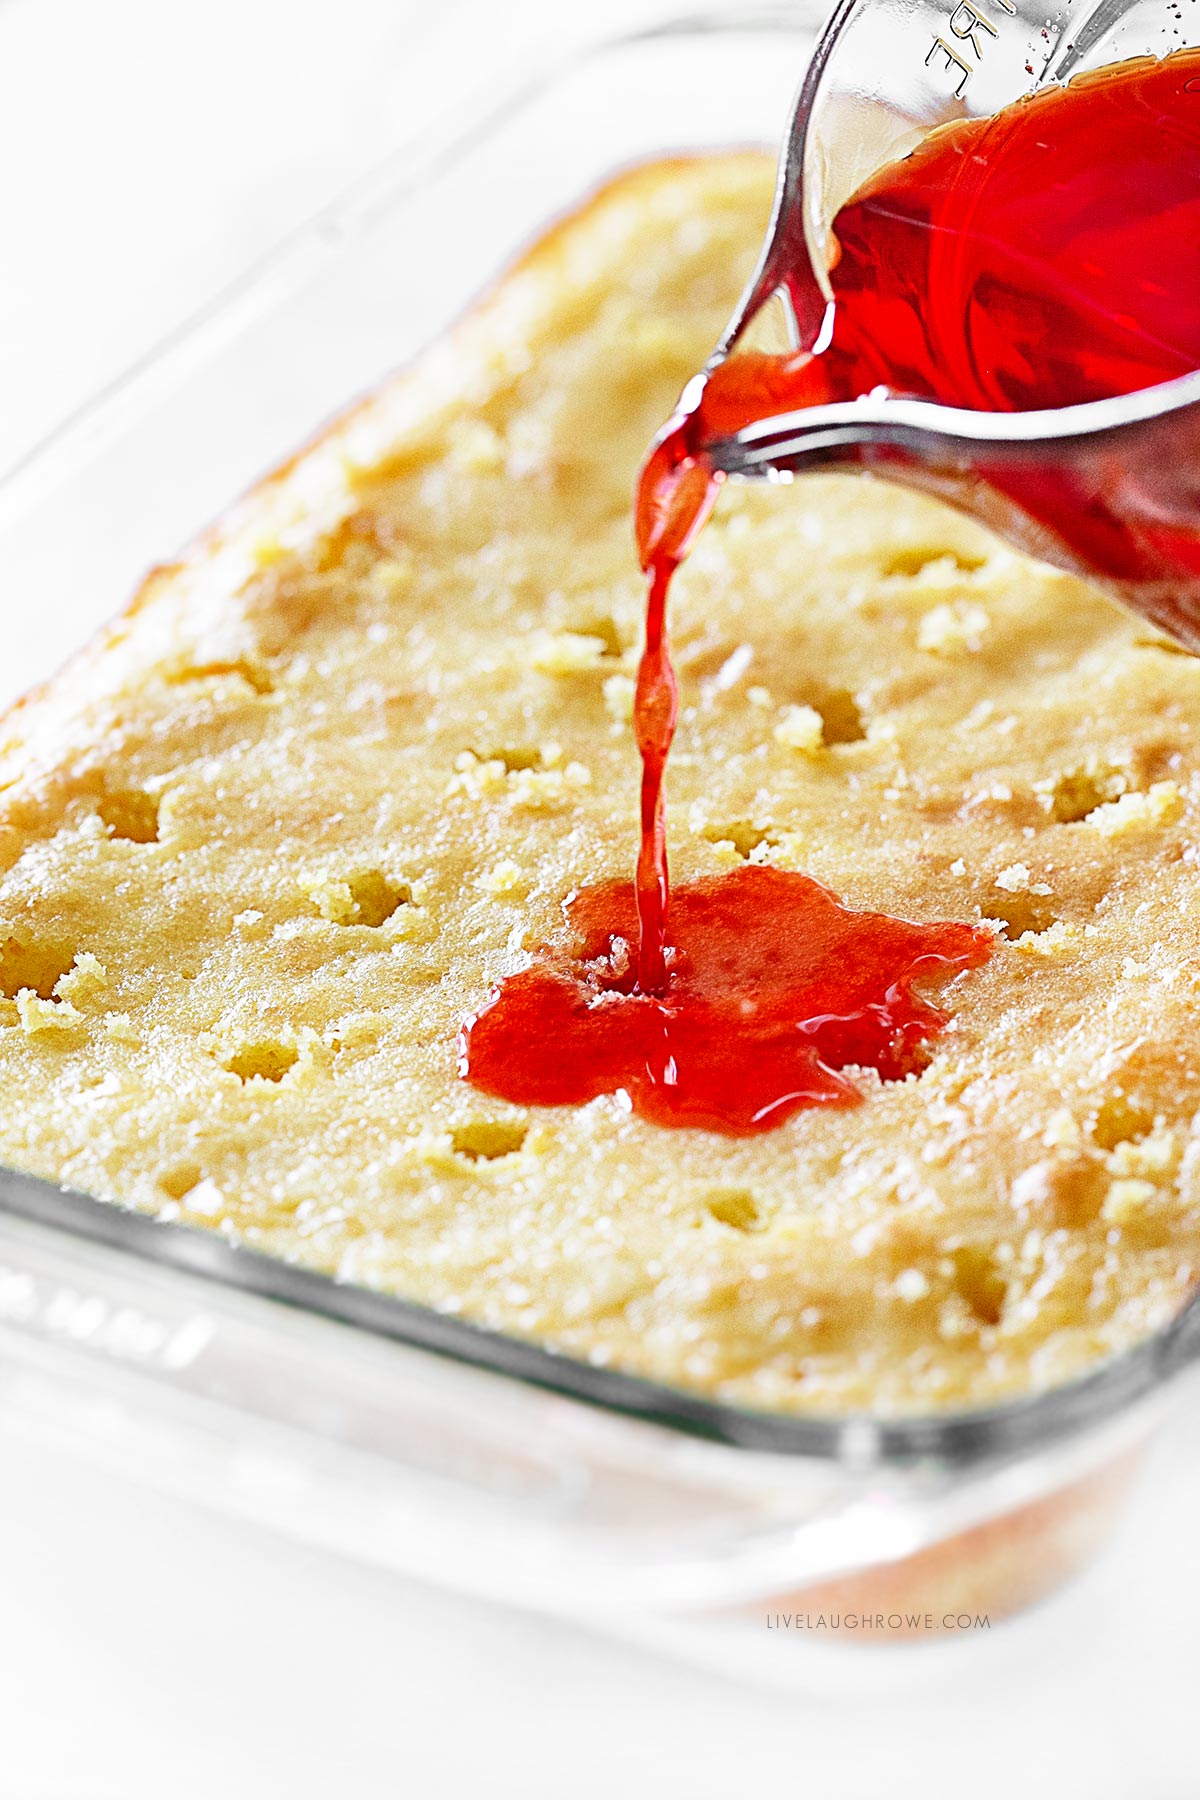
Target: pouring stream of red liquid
[(1044, 257)]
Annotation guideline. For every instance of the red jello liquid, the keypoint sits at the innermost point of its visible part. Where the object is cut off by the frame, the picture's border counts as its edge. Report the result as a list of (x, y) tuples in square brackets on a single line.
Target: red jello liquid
[(772, 986)]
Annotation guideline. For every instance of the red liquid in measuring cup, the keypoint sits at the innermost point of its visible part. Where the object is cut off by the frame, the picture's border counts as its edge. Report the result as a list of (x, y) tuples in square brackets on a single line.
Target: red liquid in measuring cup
[(1038, 259)]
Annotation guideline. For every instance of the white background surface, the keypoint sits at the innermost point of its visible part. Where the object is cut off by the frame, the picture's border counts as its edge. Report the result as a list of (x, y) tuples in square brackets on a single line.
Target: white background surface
[(151, 1651)]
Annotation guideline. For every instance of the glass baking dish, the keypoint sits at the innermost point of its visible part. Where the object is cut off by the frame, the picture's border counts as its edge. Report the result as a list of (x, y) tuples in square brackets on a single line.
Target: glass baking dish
[(353, 1418)]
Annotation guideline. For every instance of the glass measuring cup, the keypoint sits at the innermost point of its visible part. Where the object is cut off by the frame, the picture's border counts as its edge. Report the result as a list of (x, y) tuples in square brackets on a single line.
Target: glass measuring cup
[(1109, 488)]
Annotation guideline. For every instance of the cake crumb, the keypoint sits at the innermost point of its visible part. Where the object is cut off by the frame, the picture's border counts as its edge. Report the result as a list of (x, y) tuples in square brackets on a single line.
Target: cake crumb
[(1155, 1156), (86, 978), (435, 1150), (332, 899), (250, 924), (800, 728), (206, 1199), (1063, 1131), (1126, 1199), (1016, 879), (1059, 939), (567, 653), (911, 1285), (952, 626), (1160, 805), (476, 779), (505, 881), (37, 1015), (619, 691), (536, 789)]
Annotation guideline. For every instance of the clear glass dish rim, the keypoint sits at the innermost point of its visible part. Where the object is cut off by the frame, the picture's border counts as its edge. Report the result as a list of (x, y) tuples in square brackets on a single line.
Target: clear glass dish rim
[(953, 1439)]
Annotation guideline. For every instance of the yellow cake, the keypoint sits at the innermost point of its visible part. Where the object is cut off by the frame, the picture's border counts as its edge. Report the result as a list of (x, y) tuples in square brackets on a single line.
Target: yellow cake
[(266, 843)]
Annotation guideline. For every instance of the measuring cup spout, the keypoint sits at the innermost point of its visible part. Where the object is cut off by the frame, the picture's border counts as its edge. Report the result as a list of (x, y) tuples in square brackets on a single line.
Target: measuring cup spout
[(1109, 490)]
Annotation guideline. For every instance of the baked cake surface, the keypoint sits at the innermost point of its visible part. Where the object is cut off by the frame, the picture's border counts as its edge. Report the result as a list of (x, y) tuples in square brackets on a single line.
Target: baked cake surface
[(268, 842)]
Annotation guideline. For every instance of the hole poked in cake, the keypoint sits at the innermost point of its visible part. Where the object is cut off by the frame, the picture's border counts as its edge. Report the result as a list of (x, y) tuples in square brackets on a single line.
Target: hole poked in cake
[(775, 675), (602, 626), (1076, 793), (369, 897), (514, 757), (486, 1140), (130, 813), (376, 897), (735, 1207), (179, 1179), (743, 834), (252, 673), (1121, 1120), (979, 1283), (267, 1059), (1020, 913), (841, 716), (33, 963), (915, 558), (1061, 1191)]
